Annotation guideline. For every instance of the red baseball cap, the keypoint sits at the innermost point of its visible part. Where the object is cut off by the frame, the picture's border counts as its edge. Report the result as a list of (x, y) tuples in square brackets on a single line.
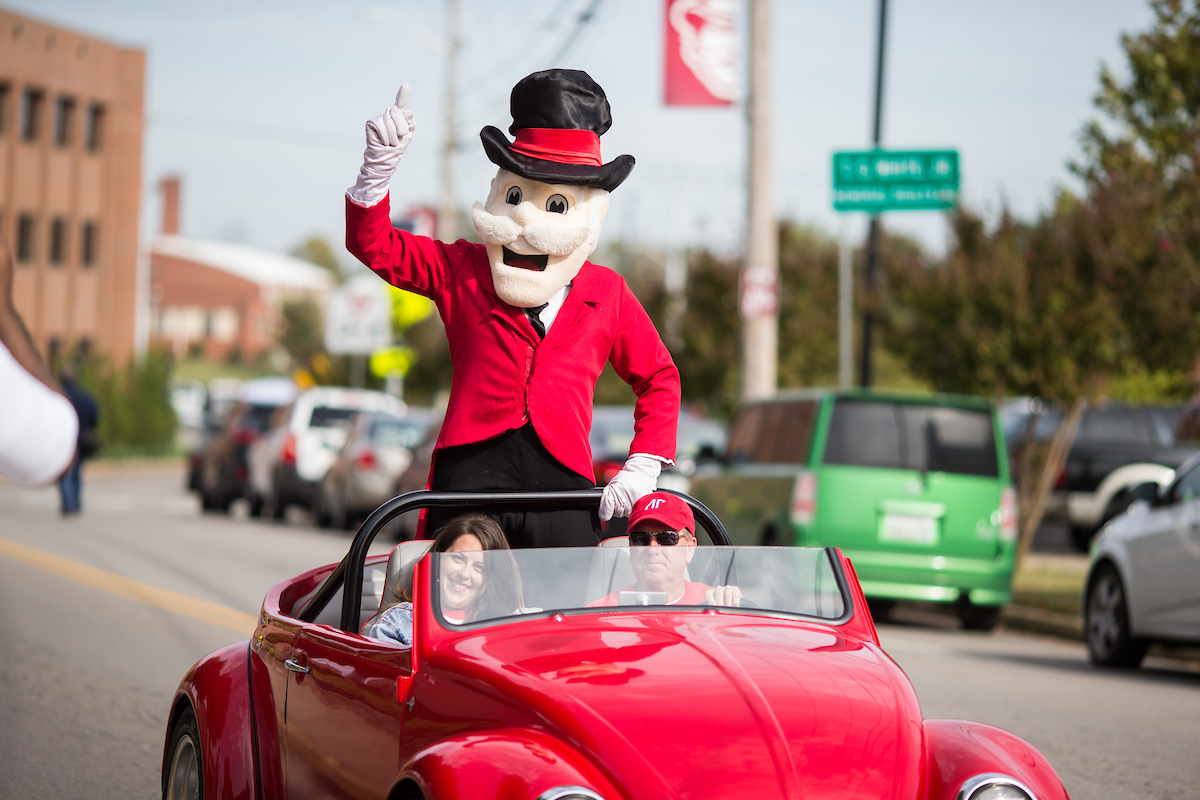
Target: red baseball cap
[(665, 508)]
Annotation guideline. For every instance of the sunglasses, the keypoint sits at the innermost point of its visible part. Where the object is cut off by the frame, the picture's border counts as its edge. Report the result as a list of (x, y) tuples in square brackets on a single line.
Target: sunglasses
[(664, 538)]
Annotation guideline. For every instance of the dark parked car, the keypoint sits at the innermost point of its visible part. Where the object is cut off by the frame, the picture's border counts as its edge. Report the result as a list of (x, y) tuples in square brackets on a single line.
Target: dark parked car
[(222, 468), (1116, 448)]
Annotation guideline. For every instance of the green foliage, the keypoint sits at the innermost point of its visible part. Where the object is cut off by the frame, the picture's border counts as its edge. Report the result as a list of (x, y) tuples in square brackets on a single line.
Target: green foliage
[(136, 417), (1014, 310), (317, 250), (1143, 187), (301, 332), (1142, 386)]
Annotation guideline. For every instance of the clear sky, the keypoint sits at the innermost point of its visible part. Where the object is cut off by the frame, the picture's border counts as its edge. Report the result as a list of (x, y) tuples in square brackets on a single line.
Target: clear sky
[(260, 104)]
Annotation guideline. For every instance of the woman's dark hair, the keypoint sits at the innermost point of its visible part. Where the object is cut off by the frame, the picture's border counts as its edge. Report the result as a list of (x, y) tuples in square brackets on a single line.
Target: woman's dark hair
[(502, 580)]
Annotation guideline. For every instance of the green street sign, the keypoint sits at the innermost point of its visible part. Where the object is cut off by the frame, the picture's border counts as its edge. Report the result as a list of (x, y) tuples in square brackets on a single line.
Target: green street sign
[(883, 180)]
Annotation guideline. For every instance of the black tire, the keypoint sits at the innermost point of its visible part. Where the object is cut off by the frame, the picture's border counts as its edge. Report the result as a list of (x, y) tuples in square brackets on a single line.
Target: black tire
[(881, 610), (1110, 640), (278, 506), (1081, 537), (183, 774), (254, 505), (320, 508), (978, 618)]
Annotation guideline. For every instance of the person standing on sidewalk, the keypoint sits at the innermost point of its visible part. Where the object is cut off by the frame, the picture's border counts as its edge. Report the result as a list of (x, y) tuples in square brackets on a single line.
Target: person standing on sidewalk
[(70, 486)]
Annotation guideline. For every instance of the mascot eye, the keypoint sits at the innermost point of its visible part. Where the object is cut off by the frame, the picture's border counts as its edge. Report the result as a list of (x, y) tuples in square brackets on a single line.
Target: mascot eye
[(514, 195), (557, 204)]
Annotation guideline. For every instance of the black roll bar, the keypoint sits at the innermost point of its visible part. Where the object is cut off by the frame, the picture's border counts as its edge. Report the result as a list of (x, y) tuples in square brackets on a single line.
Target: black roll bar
[(348, 575)]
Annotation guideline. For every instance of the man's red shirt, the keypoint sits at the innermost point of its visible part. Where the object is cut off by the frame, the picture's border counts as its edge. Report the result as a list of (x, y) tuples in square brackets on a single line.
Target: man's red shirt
[(504, 375)]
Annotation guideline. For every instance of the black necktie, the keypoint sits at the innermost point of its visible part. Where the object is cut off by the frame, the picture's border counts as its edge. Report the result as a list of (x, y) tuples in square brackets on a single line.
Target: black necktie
[(535, 319)]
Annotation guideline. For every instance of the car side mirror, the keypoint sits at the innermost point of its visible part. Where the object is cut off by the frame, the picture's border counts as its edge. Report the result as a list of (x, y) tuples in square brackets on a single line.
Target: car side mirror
[(1146, 492)]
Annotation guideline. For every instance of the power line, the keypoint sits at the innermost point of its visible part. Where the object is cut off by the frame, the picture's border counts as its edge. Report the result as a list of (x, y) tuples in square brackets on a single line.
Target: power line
[(582, 22)]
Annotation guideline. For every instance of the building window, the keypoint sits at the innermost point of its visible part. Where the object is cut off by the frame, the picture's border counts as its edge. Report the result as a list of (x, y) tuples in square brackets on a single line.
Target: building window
[(90, 245), (58, 241), (31, 113), (64, 121), (95, 127), (25, 224), (4, 91)]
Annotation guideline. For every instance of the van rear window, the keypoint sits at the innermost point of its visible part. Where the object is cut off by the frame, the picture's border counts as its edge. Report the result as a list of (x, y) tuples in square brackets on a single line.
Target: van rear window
[(867, 433), (325, 417)]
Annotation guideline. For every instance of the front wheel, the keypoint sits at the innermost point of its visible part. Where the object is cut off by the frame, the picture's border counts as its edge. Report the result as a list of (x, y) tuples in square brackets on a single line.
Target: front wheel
[(978, 618), (184, 777), (1106, 620)]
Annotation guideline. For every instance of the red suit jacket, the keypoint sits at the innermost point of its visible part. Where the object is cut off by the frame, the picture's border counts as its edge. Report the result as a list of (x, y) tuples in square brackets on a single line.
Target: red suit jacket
[(504, 376)]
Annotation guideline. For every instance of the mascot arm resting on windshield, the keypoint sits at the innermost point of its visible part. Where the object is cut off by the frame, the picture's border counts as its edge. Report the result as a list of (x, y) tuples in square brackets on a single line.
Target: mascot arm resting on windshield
[(530, 322)]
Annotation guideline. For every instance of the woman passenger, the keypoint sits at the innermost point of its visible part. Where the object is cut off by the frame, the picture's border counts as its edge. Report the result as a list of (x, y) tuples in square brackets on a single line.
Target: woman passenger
[(470, 588)]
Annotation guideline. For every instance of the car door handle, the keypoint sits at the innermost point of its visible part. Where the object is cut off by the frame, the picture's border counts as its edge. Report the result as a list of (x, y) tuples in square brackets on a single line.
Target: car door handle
[(295, 666)]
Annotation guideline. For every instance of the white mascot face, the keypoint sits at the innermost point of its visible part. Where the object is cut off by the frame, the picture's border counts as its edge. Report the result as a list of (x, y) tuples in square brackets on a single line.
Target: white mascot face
[(537, 234)]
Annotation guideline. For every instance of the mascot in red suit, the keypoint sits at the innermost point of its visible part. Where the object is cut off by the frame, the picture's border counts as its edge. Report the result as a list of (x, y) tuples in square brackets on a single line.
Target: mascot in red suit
[(530, 321)]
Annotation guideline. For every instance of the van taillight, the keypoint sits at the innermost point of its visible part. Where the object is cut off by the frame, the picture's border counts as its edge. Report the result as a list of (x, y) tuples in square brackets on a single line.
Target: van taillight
[(365, 461), (1008, 514), (804, 499), (289, 449)]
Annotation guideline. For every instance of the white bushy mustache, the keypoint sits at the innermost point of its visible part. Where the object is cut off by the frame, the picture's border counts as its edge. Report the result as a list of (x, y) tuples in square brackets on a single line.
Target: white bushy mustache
[(549, 238)]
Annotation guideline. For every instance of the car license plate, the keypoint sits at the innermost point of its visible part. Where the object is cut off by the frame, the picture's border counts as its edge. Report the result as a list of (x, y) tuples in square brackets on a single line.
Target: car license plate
[(908, 529)]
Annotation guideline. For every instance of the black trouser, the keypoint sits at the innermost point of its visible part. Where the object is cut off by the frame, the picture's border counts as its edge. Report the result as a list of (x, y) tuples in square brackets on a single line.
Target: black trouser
[(514, 461)]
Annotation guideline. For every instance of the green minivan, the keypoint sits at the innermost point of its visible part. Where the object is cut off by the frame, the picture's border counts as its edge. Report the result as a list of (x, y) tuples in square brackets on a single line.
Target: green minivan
[(914, 488)]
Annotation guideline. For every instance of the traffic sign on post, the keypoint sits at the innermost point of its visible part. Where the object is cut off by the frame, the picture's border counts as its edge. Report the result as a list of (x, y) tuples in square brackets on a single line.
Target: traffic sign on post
[(358, 317), (882, 180)]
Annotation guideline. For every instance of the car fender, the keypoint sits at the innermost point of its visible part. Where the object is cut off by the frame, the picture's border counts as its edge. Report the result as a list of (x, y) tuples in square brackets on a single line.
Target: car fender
[(956, 751), (217, 691), (1087, 508), (504, 763)]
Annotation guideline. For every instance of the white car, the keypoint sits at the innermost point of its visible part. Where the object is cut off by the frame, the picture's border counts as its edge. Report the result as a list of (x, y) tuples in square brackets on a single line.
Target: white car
[(303, 440), (1143, 583)]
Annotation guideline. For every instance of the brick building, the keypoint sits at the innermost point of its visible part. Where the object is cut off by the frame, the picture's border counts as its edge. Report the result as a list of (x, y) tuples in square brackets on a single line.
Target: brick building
[(221, 299), (71, 123)]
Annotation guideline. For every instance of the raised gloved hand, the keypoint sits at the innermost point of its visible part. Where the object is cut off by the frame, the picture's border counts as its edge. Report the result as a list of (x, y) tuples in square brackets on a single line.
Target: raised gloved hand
[(388, 136), (638, 478)]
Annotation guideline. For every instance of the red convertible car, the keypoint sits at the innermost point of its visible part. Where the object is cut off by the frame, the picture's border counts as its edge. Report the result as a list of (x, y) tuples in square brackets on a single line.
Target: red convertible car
[(587, 690)]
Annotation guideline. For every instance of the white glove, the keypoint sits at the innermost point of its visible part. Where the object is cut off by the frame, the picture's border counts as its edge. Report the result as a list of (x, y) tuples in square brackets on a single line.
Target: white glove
[(638, 478), (388, 136)]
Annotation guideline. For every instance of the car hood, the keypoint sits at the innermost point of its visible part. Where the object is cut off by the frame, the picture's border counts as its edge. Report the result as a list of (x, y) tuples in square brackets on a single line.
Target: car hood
[(716, 705)]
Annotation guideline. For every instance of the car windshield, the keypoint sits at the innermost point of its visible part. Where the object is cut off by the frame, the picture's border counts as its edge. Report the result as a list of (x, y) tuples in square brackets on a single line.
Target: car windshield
[(497, 586), (397, 432), (912, 436)]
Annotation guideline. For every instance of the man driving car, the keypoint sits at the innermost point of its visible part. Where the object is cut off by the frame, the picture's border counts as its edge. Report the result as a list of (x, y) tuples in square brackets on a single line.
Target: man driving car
[(662, 542)]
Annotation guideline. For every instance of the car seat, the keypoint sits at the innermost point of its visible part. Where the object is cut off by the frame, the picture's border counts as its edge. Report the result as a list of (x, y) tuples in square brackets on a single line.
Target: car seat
[(397, 582)]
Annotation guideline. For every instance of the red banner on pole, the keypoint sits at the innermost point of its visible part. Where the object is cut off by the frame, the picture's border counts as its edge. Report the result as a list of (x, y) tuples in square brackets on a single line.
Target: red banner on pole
[(701, 53)]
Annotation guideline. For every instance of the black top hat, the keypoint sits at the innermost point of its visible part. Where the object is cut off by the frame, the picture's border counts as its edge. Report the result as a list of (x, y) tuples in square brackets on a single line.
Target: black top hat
[(558, 116)]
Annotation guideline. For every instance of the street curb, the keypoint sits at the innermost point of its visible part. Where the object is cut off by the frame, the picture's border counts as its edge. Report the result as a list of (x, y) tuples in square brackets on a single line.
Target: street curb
[(1039, 620)]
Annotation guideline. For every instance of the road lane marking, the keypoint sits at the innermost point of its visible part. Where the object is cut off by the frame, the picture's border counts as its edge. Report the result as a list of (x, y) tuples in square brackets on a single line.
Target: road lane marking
[(130, 589)]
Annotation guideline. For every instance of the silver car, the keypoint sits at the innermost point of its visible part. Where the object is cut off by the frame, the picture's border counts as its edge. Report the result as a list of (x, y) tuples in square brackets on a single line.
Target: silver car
[(378, 449), (1143, 583)]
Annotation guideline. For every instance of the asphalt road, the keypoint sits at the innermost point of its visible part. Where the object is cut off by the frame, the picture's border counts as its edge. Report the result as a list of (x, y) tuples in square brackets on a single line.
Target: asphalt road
[(101, 615)]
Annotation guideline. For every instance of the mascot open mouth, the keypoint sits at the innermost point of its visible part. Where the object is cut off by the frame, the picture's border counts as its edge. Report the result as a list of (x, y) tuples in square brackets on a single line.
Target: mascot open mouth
[(535, 263)]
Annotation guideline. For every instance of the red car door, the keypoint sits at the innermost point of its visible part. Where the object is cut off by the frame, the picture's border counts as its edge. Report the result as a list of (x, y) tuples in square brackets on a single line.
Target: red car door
[(343, 719)]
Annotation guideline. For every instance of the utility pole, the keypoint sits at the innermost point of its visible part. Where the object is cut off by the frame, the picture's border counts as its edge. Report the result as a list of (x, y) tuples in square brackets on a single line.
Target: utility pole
[(447, 212), (866, 374), (759, 300)]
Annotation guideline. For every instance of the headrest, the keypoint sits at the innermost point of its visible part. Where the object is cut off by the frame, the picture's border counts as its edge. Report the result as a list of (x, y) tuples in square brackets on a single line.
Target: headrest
[(400, 566), (616, 541)]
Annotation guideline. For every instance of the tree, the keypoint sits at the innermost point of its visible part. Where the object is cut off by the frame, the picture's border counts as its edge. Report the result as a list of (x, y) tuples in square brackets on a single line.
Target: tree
[(1142, 176), (316, 250), (301, 331)]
